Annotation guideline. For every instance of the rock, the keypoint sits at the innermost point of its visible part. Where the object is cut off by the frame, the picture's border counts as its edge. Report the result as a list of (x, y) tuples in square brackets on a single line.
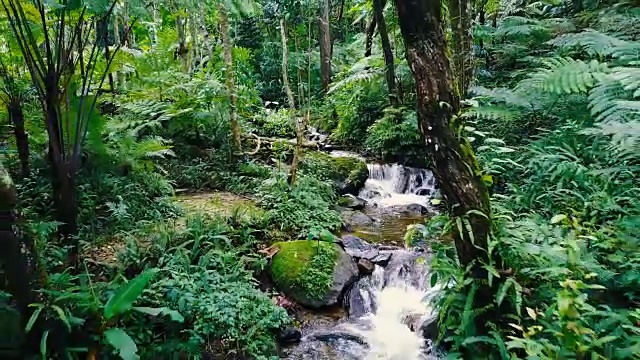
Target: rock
[(314, 277), (289, 335), (360, 249), (427, 328), (352, 202), (409, 209), (356, 219), (348, 174), (382, 259), (366, 267)]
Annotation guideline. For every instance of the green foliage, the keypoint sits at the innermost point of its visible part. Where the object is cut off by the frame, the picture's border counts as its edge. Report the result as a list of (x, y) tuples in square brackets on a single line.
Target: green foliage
[(300, 209), (396, 138), (304, 266), (559, 141), (347, 174)]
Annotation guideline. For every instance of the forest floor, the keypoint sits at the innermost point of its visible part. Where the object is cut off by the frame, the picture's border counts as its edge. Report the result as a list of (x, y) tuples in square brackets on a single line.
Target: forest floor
[(105, 251)]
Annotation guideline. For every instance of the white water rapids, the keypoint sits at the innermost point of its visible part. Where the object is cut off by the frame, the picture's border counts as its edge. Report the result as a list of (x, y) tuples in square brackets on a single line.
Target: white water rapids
[(389, 310), (387, 313)]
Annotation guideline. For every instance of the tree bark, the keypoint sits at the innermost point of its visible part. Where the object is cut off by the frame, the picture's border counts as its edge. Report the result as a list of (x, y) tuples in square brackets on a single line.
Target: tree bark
[(371, 29), (293, 171), (12, 249), (460, 18), (183, 51), (14, 109), (324, 28), (453, 163), (227, 46), (390, 73)]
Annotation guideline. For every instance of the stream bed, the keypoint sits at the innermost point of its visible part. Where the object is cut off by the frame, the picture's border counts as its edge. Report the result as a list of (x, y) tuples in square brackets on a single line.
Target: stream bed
[(388, 314)]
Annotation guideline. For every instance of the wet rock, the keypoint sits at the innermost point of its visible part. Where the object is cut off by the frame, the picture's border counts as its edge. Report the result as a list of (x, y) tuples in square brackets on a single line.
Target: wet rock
[(289, 335), (360, 249), (352, 202), (359, 300), (292, 262), (356, 219), (409, 209), (389, 248), (382, 258), (366, 267)]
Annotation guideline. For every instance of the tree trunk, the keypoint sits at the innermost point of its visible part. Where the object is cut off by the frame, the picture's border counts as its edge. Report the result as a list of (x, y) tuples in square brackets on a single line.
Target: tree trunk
[(285, 65), (371, 29), (325, 45), (12, 250), (453, 163), (293, 171), (390, 74), (182, 42), (230, 81), (102, 38), (22, 139)]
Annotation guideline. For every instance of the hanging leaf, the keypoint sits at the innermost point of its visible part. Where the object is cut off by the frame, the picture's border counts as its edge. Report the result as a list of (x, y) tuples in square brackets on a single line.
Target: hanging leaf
[(122, 342), (122, 300), (173, 314)]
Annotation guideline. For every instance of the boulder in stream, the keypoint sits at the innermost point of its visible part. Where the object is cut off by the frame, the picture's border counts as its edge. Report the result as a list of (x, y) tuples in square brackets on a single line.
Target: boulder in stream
[(360, 249), (356, 219), (366, 267), (352, 202), (348, 174), (312, 273)]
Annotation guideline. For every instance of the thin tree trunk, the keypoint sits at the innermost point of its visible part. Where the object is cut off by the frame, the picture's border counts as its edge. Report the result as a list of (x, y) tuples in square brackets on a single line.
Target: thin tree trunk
[(182, 42), (230, 81), (453, 163), (325, 45), (102, 37), (293, 171), (22, 139), (371, 29), (285, 66), (390, 75)]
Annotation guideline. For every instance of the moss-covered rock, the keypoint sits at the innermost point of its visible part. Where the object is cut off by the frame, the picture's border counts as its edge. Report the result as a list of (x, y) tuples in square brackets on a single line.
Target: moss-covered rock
[(312, 273), (347, 173)]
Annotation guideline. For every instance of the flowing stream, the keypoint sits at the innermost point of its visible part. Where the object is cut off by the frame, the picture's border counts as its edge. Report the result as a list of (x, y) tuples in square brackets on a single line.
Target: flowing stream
[(389, 312)]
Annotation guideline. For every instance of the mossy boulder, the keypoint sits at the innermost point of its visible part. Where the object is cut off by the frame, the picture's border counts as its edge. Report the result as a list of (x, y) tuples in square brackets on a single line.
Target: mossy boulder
[(312, 273), (348, 174)]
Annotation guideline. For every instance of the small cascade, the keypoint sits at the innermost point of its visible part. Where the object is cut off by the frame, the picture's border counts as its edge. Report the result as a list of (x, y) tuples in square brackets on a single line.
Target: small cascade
[(394, 184), (387, 313)]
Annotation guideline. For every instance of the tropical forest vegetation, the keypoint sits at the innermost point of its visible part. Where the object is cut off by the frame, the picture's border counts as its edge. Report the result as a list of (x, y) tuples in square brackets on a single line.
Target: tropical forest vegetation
[(188, 179)]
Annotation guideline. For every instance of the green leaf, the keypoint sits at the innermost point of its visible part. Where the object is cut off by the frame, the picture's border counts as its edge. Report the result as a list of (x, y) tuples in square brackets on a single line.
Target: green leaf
[(122, 300), (502, 292), (122, 342), (557, 218), (34, 316), (43, 344), (434, 279), (173, 314)]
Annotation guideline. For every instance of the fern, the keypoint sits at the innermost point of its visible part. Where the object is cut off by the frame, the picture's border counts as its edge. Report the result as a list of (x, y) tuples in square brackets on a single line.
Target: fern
[(592, 41), (566, 75)]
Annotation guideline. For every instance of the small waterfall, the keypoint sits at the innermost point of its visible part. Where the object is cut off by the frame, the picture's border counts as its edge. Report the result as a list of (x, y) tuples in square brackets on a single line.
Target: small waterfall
[(394, 184), (386, 317)]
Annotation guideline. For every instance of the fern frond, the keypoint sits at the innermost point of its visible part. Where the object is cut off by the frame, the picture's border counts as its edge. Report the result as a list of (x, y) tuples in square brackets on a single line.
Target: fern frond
[(567, 75), (592, 41), (491, 112), (502, 95)]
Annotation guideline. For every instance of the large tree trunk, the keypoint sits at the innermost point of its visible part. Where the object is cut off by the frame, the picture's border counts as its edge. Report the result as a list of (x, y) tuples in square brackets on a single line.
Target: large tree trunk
[(325, 45), (22, 139), (13, 251), (390, 73), (453, 163), (227, 48)]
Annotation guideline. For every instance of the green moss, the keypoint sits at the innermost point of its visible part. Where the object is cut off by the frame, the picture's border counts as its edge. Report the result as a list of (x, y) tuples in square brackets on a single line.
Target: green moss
[(347, 173), (304, 267)]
